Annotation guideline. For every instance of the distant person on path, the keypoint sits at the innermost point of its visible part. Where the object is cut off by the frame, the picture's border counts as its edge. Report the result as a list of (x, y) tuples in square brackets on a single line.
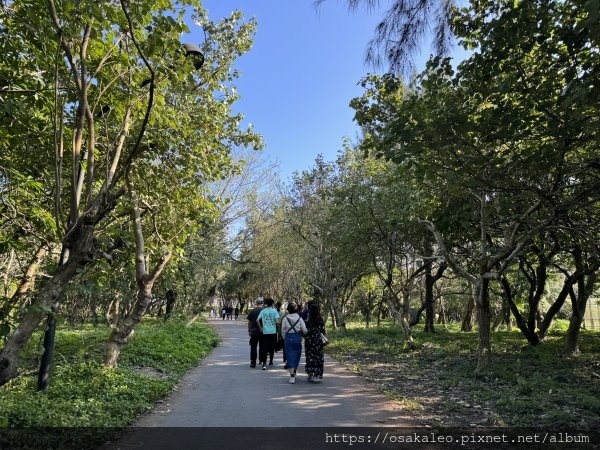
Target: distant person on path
[(254, 330), (280, 340), (314, 345), (282, 314), (236, 312), (293, 328), (267, 322), (304, 311), (223, 313)]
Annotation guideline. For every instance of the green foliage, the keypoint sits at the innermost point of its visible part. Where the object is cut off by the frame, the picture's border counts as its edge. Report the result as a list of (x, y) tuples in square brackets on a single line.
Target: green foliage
[(171, 347), (84, 393)]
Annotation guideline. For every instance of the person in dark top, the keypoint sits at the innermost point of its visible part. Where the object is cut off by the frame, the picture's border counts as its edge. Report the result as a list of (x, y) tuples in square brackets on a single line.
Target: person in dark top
[(304, 311), (254, 330), (313, 344)]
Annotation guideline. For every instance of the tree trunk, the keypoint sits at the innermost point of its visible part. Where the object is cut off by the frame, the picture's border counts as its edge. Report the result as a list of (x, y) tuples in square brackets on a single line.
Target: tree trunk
[(28, 281), (417, 317), (171, 297), (554, 309), (48, 297), (442, 320), (467, 322), (125, 328), (112, 312), (429, 311), (430, 281), (485, 347), (335, 307), (145, 282), (524, 326), (25, 287), (369, 297), (46, 362), (584, 291), (403, 315), (379, 308)]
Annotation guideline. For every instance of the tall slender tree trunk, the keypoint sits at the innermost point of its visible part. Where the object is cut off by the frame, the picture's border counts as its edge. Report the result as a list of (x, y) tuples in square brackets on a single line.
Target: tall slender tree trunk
[(429, 310), (335, 305), (145, 282), (485, 347), (402, 314), (337, 313), (430, 280), (442, 319), (405, 317), (467, 322)]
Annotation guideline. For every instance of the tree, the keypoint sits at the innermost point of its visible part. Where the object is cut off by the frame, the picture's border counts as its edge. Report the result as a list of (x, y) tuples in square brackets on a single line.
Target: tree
[(117, 98), (405, 26), (498, 138), (312, 217)]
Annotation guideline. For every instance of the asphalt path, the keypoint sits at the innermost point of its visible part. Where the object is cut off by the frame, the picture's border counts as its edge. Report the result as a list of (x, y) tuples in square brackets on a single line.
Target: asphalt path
[(224, 391)]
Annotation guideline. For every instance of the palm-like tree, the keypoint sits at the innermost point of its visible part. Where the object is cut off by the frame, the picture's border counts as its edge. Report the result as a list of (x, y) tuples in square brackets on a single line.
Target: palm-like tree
[(405, 26)]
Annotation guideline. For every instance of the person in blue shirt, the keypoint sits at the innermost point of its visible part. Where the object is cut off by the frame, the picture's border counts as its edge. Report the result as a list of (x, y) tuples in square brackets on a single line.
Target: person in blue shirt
[(267, 322)]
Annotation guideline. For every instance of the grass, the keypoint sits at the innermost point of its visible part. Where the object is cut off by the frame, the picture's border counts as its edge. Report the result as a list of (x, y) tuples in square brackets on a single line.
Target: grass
[(84, 393), (525, 386)]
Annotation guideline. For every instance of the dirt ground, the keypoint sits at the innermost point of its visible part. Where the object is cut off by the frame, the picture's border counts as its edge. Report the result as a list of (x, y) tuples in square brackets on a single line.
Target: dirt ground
[(437, 393), (421, 394)]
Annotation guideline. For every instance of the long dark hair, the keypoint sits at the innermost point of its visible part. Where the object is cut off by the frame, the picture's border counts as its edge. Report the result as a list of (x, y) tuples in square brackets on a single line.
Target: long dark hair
[(314, 313)]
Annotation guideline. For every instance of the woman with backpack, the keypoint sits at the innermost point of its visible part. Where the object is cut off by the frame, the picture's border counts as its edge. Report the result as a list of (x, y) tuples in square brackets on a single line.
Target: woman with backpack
[(293, 328)]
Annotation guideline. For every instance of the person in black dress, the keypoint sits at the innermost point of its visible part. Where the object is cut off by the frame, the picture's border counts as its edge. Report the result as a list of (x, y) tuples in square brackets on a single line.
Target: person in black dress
[(313, 345)]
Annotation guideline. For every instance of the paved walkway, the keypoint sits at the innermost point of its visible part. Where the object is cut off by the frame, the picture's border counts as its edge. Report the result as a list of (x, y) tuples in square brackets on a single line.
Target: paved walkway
[(224, 391)]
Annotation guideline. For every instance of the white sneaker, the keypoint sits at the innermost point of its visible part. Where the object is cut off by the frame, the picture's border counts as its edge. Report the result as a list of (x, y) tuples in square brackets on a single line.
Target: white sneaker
[(292, 380)]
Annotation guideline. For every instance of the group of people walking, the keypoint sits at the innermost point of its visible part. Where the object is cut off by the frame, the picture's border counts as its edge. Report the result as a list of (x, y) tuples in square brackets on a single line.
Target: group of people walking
[(271, 329), (227, 312)]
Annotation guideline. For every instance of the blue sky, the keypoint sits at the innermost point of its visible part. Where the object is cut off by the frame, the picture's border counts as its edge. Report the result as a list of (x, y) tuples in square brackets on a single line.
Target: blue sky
[(298, 79)]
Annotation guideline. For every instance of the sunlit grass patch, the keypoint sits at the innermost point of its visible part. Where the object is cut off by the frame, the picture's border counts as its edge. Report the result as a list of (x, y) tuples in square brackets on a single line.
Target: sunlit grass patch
[(405, 403)]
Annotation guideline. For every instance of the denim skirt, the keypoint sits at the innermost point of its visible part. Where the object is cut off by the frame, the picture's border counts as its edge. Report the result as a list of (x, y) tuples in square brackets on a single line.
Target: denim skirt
[(293, 350)]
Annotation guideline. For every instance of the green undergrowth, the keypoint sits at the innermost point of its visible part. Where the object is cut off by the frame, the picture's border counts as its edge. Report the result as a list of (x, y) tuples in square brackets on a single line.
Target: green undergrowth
[(525, 386), (85, 393)]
